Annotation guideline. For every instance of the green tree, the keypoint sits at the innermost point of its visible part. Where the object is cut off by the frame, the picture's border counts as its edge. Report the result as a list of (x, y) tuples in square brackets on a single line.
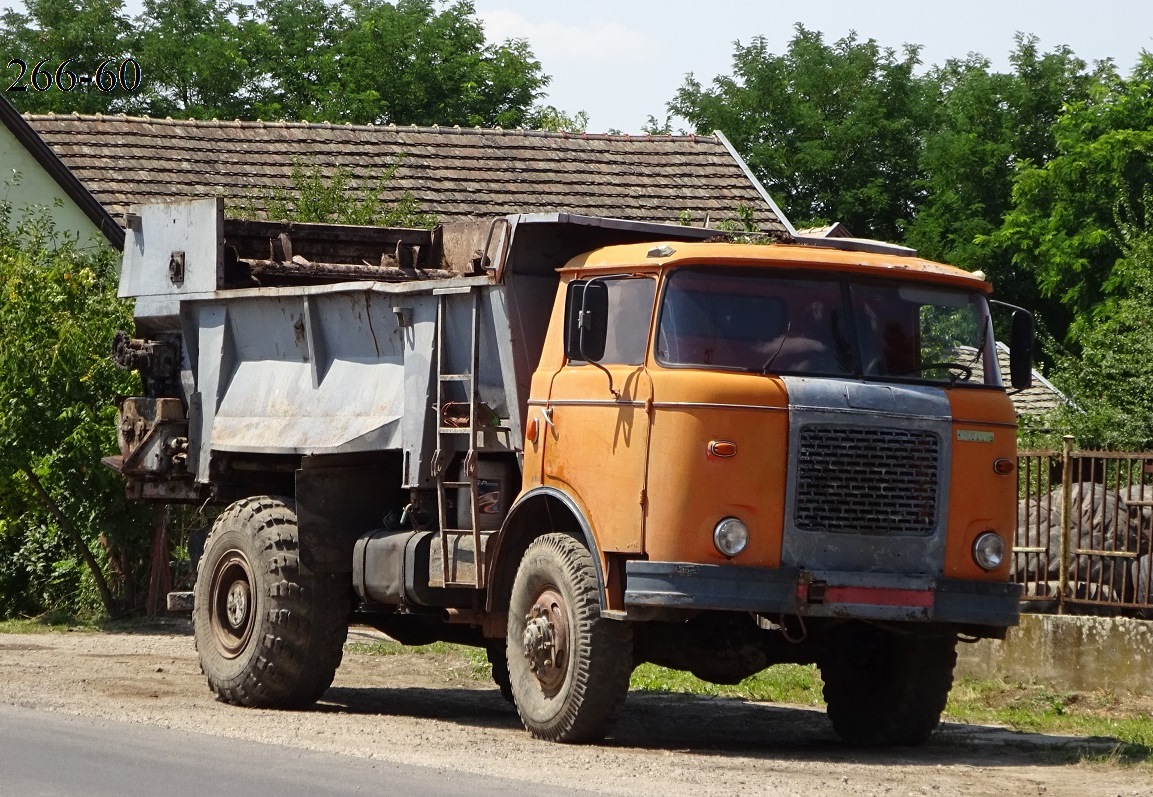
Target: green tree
[(1062, 231), (84, 33), (987, 126), (194, 56), (294, 65), (549, 117), (409, 63), (833, 131), (423, 62), (1111, 378), (61, 512)]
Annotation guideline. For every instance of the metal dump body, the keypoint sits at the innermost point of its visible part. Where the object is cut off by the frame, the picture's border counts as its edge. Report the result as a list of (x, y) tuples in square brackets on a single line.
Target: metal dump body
[(349, 367)]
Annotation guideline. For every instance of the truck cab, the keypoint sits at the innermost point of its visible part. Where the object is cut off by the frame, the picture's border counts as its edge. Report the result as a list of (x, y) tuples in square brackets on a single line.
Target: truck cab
[(792, 410)]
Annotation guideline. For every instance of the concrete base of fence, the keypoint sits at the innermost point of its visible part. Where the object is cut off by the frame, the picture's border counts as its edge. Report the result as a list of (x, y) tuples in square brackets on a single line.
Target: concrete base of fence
[(1075, 653)]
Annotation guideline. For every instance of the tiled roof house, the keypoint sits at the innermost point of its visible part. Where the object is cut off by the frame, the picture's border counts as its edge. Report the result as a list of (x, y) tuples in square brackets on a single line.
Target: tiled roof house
[(454, 173)]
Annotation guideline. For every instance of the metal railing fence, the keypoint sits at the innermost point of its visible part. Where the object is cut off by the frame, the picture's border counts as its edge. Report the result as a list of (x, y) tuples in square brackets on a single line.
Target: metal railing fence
[(1084, 537)]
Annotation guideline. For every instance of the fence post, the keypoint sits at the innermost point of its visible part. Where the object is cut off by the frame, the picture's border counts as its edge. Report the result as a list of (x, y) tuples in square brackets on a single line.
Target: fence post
[(1066, 520)]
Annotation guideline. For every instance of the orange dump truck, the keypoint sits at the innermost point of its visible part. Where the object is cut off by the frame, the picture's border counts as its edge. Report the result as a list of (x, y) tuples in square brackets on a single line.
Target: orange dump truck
[(581, 444)]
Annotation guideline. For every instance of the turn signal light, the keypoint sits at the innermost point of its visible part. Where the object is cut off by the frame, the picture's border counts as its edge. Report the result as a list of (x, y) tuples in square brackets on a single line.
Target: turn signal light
[(722, 448)]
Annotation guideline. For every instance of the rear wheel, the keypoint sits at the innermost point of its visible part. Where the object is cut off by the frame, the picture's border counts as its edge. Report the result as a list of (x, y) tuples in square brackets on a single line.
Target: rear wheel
[(497, 651), (569, 667), (883, 689), (268, 635)]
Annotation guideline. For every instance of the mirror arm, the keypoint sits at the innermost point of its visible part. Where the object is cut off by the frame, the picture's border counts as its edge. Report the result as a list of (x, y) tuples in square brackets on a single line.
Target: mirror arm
[(616, 393), (581, 340)]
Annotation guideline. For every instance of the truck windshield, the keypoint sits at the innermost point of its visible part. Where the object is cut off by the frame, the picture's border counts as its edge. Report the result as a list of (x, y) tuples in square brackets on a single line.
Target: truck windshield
[(768, 322)]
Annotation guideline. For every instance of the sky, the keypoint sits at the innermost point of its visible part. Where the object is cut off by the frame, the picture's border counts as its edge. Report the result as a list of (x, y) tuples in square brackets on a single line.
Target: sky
[(623, 60)]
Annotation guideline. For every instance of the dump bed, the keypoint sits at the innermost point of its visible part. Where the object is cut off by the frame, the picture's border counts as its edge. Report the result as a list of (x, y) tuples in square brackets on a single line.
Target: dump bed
[(304, 339)]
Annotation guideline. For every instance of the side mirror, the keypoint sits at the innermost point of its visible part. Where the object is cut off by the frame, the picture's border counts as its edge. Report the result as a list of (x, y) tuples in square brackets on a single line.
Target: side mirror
[(586, 321), (1021, 350)]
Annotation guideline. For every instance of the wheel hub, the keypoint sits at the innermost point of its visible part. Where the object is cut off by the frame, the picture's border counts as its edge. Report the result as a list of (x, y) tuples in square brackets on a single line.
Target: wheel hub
[(236, 609), (545, 639), (233, 604)]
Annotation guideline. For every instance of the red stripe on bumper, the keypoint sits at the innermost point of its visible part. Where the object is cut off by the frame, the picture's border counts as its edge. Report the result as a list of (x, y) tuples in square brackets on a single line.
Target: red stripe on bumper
[(877, 596)]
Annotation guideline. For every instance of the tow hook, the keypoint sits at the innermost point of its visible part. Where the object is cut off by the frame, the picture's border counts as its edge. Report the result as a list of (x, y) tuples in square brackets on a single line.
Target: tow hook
[(810, 590)]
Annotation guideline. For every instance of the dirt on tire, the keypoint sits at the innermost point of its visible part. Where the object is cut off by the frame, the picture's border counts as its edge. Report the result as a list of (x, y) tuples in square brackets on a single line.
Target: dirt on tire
[(433, 710)]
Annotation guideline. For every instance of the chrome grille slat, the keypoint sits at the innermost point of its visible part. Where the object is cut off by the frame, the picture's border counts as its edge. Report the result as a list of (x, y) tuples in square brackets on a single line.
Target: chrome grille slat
[(867, 480)]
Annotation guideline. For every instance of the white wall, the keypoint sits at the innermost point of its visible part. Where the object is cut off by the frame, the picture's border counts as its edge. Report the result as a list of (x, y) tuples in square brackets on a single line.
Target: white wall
[(36, 187)]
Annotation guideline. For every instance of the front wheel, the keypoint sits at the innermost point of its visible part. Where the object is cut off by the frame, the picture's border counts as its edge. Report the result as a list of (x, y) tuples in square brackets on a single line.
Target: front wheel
[(268, 635), (883, 689), (569, 667)]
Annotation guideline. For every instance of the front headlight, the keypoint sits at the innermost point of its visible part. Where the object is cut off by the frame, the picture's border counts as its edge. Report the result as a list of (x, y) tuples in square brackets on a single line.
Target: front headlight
[(989, 550), (731, 536)]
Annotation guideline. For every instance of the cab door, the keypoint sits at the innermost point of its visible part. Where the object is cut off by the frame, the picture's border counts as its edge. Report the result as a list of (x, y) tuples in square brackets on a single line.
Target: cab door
[(597, 430)]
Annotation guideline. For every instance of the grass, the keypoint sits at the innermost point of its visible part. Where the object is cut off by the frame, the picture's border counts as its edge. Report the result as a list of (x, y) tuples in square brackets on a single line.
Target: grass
[(786, 683), (54, 623), (46, 624), (1037, 708), (479, 668)]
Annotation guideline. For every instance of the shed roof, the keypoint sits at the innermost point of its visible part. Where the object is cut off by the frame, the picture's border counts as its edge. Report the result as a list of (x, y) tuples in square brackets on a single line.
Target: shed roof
[(453, 173), (1040, 399)]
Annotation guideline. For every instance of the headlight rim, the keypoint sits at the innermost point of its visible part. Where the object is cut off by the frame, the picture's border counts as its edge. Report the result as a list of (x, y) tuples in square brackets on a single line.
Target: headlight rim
[(723, 529), (985, 558)]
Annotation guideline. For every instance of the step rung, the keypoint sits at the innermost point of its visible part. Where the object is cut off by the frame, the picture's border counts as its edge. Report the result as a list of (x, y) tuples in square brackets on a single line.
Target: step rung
[(464, 429), (468, 584), (457, 485), (455, 377), (461, 532)]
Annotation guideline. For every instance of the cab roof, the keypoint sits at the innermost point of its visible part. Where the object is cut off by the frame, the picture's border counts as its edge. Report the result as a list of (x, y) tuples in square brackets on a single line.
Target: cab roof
[(777, 255)]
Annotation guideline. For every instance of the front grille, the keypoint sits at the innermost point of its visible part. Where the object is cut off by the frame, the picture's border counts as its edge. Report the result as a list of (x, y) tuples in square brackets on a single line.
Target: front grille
[(867, 480)]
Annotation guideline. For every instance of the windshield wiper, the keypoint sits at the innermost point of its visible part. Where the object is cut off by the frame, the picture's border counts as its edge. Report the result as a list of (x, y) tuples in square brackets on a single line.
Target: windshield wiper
[(784, 338)]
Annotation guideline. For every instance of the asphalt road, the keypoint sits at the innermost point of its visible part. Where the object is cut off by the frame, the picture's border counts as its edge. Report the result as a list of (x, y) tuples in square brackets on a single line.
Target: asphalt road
[(43, 754)]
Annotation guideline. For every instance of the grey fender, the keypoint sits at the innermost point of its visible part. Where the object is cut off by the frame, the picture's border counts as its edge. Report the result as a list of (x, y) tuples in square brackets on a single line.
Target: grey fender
[(539, 511)]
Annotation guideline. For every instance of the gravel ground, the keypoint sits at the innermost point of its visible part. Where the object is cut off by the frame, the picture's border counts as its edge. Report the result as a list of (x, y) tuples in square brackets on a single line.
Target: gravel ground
[(429, 710)]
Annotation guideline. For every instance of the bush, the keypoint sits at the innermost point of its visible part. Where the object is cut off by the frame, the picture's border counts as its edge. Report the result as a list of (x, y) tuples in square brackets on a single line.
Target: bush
[(64, 521)]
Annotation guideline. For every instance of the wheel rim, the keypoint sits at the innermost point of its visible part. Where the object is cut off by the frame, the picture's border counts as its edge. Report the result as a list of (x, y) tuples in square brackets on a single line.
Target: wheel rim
[(233, 603), (546, 640)]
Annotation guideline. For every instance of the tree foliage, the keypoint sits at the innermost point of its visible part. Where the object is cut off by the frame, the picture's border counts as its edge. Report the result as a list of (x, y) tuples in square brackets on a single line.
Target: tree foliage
[(56, 30), (63, 516), (422, 62), (1111, 377), (985, 125), (1064, 231), (832, 130)]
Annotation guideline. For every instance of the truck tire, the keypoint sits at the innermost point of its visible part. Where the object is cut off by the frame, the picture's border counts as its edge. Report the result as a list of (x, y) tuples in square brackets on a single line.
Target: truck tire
[(497, 651), (267, 634), (882, 689), (569, 666)]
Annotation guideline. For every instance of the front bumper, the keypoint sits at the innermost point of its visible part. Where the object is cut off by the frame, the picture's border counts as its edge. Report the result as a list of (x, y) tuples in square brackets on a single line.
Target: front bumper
[(866, 596)]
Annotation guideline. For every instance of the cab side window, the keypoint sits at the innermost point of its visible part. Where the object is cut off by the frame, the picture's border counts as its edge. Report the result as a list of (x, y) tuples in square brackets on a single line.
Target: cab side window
[(627, 316)]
